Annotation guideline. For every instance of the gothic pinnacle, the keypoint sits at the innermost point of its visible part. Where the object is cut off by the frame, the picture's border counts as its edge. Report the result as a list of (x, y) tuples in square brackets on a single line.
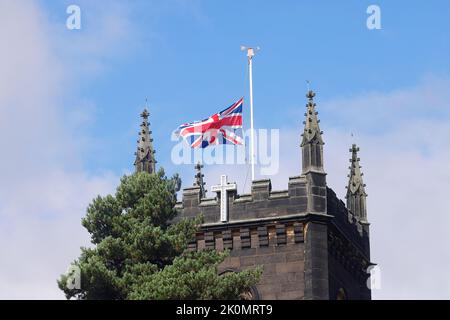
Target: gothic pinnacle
[(312, 130), (356, 194), (145, 154), (312, 143)]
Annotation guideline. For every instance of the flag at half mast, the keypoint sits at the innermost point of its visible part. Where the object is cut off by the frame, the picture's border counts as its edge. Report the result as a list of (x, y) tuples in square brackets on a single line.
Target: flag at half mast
[(224, 127)]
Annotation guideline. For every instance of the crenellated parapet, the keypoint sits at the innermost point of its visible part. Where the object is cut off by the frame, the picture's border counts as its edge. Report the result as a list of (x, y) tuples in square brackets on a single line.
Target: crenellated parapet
[(261, 203), (345, 219)]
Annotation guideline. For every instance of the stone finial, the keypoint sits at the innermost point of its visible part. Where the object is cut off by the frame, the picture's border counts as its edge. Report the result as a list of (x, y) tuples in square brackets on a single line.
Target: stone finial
[(356, 194), (310, 95), (145, 154), (145, 114), (199, 180)]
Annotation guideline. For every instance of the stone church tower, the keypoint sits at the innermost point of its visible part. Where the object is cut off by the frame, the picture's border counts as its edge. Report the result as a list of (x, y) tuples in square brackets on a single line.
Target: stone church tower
[(309, 243)]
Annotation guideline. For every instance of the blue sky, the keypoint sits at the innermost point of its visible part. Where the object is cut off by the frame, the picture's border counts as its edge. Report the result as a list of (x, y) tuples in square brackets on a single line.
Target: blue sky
[(184, 56), (70, 104)]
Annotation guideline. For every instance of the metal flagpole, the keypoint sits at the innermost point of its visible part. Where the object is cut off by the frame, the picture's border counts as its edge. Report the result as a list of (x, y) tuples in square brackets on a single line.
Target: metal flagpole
[(250, 54)]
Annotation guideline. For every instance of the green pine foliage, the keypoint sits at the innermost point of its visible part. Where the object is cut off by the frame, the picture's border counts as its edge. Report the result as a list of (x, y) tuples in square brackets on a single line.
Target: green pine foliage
[(138, 254)]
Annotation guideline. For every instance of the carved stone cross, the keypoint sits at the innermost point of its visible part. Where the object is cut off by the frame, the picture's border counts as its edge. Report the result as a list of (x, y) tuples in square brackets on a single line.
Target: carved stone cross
[(223, 188)]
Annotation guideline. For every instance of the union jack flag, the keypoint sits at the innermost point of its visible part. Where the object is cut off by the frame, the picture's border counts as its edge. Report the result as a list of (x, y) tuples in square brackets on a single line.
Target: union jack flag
[(224, 127)]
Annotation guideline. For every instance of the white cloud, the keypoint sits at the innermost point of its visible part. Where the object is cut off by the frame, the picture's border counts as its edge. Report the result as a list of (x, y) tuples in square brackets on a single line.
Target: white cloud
[(41, 231), (44, 190)]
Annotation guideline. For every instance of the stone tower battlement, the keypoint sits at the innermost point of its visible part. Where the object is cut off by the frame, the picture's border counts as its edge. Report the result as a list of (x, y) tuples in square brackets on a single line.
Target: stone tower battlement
[(262, 203), (305, 255)]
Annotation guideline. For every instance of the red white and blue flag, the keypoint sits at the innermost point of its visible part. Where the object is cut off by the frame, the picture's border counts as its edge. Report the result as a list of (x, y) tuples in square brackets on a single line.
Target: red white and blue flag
[(224, 127)]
